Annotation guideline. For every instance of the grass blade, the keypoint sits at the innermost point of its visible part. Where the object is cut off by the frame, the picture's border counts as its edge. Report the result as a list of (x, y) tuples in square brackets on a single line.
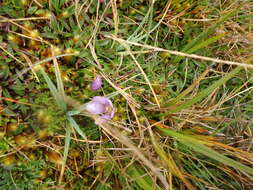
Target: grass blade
[(199, 146), (76, 127), (58, 77), (189, 89), (205, 43), (53, 90), (169, 161), (205, 92), (205, 34), (143, 181), (65, 153)]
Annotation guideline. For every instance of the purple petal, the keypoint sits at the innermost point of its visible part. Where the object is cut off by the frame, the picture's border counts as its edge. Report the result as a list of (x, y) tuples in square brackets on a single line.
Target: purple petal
[(101, 106), (112, 113), (103, 119), (106, 116), (96, 83), (103, 100), (95, 107)]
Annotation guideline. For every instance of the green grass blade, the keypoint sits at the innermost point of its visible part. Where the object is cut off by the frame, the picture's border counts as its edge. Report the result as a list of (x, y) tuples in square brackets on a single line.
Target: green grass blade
[(141, 25), (205, 92), (189, 89), (168, 160), (139, 38), (53, 90), (134, 36), (76, 127), (210, 30), (67, 143), (205, 43), (56, 4), (144, 182), (65, 153), (205, 34), (59, 79), (198, 146)]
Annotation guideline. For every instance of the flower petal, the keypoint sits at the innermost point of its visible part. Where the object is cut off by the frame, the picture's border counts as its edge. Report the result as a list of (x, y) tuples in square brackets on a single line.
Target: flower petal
[(106, 116), (103, 100), (95, 107), (96, 83), (112, 113), (101, 106), (103, 119)]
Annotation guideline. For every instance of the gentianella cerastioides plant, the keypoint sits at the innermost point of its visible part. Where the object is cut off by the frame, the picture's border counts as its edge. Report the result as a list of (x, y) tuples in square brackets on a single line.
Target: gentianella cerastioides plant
[(101, 110)]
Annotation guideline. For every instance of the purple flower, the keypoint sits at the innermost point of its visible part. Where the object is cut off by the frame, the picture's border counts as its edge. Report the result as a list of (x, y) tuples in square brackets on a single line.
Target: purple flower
[(102, 107), (96, 83)]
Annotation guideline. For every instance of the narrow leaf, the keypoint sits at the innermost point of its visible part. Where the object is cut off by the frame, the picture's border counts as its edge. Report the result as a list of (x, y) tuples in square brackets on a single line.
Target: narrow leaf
[(76, 127), (53, 90), (169, 161), (143, 182), (205, 92), (65, 153), (205, 34), (205, 43), (199, 146), (58, 77)]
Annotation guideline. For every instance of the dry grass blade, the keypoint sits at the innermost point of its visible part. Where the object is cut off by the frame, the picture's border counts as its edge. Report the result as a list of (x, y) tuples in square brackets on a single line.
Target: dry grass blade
[(127, 142), (97, 22), (168, 160), (25, 19), (25, 29), (194, 56), (31, 38), (65, 155), (12, 56), (18, 102), (81, 140), (30, 65), (145, 76), (190, 88), (129, 98), (199, 146), (37, 63), (115, 16)]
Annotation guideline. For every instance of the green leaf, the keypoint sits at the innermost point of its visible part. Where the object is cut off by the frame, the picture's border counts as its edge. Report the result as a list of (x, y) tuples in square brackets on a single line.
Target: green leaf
[(4, 146), (199, 146), (205, 43), (76, 127), (70, 11), (56, 5), (144, 182), (61, 2), (205, 34), (32, 10), (66, 145), (18, 88), (206, 92), (59, 80), (54, 91), (168, 161)]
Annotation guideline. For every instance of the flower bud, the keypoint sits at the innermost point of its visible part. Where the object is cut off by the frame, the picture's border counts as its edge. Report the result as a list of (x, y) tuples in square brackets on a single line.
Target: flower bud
[(97, 83)]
